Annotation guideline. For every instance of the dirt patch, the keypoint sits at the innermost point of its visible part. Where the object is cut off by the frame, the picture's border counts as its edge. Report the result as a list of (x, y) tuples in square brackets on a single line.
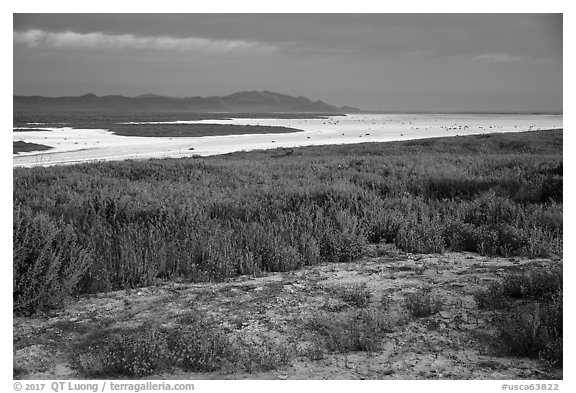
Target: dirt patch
[(297, 310)]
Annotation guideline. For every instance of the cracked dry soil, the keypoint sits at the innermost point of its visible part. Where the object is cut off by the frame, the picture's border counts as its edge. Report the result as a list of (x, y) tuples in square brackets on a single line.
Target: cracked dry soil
[(454, 343)]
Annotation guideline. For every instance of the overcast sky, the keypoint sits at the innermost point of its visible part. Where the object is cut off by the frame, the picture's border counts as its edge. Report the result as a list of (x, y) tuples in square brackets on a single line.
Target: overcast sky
[(412, 62)]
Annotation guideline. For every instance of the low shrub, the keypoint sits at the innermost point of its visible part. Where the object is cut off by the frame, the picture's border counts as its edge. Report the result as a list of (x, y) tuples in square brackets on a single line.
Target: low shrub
[(200, 347), (356, 295), (356, 330), (424, 235), (533, 284), (136, 354), (48, 262), (196, 344), (423, 303), (534, 331), (533, 327), (491, 298), (552, 189), (261, 353)]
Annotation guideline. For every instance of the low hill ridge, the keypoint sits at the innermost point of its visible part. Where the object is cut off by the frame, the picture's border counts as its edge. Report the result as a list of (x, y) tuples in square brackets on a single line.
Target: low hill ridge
[(240, 102)]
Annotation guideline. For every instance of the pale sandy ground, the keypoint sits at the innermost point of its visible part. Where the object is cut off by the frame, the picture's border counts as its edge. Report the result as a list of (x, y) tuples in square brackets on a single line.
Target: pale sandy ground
[(73, 145), (451, 344)]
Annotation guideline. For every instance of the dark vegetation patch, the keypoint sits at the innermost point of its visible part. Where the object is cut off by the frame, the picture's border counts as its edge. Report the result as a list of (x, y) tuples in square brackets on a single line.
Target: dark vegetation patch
[(32, 129), (197, 344), (529, 314), (102, 226), (23, 147), (423, 303), (358, 330), (193, 130), (356, 295)]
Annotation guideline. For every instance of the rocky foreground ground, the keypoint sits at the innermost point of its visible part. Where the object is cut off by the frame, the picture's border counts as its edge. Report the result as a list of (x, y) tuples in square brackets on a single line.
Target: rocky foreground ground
[(296, 323)]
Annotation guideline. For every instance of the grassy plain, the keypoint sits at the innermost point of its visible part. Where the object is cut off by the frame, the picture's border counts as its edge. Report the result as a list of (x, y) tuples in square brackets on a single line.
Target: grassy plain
[(94, 228), (112, 225)]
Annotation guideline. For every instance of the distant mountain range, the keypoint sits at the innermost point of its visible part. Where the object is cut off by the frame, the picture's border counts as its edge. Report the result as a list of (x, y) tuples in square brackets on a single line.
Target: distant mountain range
[(242, 102)]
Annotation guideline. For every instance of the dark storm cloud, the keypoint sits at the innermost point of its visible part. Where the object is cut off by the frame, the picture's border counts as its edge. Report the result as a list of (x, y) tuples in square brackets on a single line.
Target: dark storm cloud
[(377, 61), (539, 35)]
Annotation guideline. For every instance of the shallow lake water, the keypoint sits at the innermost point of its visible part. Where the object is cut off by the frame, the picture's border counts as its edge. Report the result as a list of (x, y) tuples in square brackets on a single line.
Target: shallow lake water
[(82, 145)]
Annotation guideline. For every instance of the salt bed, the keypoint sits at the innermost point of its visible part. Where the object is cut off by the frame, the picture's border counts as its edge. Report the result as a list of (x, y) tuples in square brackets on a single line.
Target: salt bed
[(83, 145)]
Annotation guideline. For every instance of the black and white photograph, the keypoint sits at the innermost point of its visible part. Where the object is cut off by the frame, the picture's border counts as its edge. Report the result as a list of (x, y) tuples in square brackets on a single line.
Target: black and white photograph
[(287, 196)]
